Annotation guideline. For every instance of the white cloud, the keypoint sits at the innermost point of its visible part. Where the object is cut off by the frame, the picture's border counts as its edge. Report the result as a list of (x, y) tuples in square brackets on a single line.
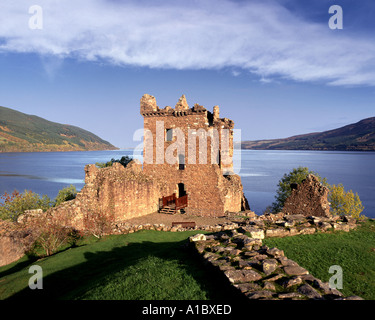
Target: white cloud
[(260, 36)]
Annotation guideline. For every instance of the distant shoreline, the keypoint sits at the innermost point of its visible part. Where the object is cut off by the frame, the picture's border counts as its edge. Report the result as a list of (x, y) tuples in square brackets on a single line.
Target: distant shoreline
[(131, 149), (341, 150), (79, 150)]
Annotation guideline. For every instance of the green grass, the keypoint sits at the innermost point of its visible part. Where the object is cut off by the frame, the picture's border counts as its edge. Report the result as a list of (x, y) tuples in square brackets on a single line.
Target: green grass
[(142, 265), (157, 265), (353, 251)]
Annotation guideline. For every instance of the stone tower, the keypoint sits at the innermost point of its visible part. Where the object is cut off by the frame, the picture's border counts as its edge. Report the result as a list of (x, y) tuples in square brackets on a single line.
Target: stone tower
[(189, 150)]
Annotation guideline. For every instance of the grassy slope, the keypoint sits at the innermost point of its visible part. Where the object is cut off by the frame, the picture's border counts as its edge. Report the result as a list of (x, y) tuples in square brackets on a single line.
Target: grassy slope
[(357, 136), (154, 265), (19, 130), (353, 251)]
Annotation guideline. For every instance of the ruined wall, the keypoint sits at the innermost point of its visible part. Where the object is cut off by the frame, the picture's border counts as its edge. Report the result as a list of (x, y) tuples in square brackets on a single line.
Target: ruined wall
[(125, 192), (232, 192), (128, 192), (14, 242), (309, 198)]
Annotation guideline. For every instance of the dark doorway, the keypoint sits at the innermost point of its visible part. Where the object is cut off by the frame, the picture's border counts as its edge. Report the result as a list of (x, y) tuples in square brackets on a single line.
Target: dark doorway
[(181, 190)]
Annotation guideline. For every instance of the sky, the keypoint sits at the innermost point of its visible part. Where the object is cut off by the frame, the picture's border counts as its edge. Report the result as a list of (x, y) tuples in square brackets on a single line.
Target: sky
[(276, 68)]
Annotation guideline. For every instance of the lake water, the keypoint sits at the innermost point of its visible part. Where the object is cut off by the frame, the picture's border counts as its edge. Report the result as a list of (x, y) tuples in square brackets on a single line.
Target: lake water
[(48, 172)]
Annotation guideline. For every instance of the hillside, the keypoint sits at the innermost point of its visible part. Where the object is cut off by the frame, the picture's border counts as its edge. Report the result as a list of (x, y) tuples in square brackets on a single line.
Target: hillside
[(359, 136), (21, 132)]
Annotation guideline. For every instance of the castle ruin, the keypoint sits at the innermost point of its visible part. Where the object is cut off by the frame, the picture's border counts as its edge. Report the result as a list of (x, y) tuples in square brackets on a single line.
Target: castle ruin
[(177, 174), (191, 150)]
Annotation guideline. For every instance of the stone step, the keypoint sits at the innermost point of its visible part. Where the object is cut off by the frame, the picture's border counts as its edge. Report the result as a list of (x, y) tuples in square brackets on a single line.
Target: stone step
[(167, 210)]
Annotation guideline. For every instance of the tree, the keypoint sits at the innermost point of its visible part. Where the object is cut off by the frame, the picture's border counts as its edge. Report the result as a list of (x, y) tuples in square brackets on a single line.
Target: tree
[(344, 203), (65, 194)]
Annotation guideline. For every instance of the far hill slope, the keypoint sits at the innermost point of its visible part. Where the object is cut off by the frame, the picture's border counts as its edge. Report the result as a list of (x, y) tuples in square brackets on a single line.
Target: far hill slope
[(20, 132), (359, 136)]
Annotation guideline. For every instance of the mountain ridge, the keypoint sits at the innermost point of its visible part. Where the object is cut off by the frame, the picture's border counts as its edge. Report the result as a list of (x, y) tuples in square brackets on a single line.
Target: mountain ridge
[(359, 136), (20, 132)]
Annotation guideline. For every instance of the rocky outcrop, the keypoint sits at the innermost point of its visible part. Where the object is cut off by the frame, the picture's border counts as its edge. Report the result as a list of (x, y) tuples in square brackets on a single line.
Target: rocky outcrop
[(309, 198)]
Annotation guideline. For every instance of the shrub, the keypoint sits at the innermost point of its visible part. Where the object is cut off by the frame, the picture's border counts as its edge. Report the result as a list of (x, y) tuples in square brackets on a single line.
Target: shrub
[(16, 203), (103, 164), (66, 194), (51, 233), (124, 161)]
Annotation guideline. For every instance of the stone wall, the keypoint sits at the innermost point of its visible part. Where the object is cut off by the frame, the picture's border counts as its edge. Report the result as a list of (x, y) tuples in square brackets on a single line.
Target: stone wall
[(260, 272), (14, 242), (309, 198), (260, 227), (124, 192), (263, 273)]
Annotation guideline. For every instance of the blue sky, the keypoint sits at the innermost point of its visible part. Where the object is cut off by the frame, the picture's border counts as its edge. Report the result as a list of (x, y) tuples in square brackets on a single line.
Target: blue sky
[(274, 67)]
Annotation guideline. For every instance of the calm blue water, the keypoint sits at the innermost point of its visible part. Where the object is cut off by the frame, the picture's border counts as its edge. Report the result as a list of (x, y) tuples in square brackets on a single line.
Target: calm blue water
[(48, 172)]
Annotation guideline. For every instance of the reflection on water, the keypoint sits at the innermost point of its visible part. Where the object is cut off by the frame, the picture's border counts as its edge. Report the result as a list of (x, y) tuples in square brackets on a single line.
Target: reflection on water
[(253, 174), (27, 176), (66, 181)]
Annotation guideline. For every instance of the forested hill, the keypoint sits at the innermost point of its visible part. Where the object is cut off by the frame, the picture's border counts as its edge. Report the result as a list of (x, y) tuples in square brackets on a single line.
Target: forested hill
[(358, 136), (21, 132)]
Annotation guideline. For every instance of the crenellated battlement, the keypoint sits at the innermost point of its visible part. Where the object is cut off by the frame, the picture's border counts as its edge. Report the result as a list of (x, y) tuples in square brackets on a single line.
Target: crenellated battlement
[(149, 108)]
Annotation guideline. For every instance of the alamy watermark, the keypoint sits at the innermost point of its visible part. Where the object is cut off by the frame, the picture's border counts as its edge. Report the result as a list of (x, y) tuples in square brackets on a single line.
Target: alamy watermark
[(335, 282), (36, 20), (36, 280), (336, 20), (190, 146)]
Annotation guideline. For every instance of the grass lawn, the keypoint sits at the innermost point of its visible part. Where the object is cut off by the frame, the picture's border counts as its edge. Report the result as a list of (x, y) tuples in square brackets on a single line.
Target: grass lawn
[(157, 265), (353, 251), (143, 265)]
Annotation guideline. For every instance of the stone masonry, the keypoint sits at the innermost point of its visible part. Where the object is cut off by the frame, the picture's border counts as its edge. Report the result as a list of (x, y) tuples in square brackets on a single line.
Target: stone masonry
[(123, 192), (200, 164), (308, 198), (14, 242)]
